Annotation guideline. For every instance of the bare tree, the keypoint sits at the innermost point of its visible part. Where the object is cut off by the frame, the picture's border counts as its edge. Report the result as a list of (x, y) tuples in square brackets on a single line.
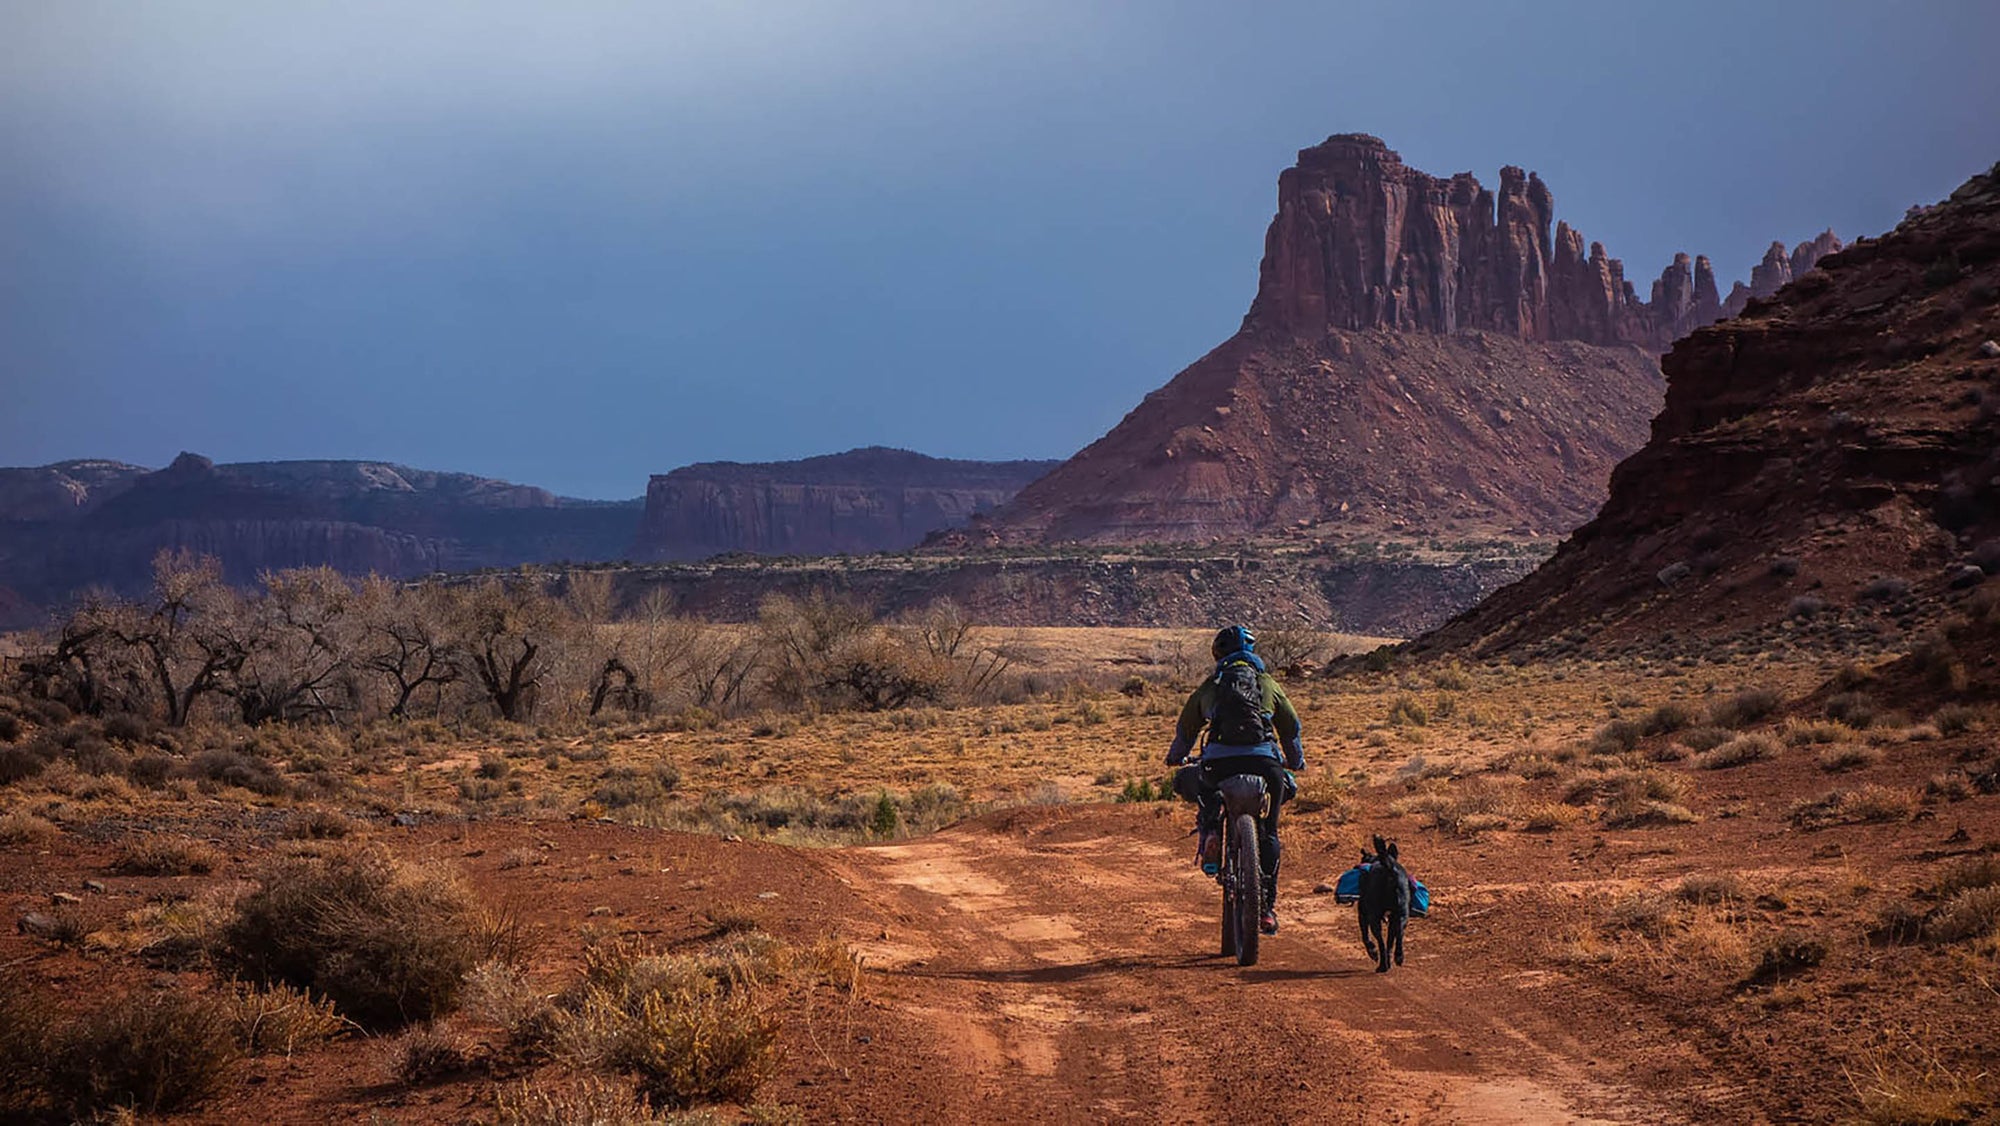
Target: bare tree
[(405, 638), (506, 633), (186, 633), (295, 653)]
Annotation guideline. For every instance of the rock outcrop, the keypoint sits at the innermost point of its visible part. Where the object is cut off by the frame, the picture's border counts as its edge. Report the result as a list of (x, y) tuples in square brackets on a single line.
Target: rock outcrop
[(73, 525), (1833, 451), (1777, 270), (862, 501), (1363, 241)]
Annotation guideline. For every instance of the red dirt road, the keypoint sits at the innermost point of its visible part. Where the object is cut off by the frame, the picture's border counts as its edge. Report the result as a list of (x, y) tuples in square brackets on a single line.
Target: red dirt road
[(1059, 966)]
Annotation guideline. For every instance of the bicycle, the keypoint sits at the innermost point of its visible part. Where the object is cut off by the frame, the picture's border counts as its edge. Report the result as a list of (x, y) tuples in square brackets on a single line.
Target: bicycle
[(1241, 876)]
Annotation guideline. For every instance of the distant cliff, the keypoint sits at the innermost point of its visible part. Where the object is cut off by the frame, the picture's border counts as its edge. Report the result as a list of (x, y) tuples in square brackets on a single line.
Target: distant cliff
[(77, 524), (1425, 359), (862, 501)]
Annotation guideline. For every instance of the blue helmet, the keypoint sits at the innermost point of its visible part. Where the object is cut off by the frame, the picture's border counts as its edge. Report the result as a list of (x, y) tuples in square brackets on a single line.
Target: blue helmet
[(1231, 640)]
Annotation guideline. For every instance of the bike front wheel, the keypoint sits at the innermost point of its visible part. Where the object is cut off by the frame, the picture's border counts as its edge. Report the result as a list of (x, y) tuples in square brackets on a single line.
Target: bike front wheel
[(1246, 881)]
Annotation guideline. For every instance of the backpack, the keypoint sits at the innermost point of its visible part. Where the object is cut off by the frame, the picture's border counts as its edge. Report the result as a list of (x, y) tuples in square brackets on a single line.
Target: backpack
[(1239, 719)]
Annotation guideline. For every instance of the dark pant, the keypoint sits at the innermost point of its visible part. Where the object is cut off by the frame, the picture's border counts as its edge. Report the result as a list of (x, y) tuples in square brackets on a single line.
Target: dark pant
[(1198, 784)]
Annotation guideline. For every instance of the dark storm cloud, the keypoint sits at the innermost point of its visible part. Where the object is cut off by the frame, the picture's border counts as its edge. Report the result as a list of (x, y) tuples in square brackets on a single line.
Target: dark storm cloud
[(573, 244)]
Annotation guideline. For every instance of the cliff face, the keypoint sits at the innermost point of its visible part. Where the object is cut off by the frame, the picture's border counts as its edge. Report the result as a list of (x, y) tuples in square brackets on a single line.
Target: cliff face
[(857, 502), (1362, 241), (1836, 444), (1778, 269), (77, 524)]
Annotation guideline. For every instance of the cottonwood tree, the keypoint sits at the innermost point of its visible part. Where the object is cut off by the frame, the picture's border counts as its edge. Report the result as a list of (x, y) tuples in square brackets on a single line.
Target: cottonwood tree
[(295, 646), (187, 633), (507, 634), (404, 637)]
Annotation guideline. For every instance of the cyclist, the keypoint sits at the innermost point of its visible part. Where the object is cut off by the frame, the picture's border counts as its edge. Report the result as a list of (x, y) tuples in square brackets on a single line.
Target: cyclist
[(1252, 729)]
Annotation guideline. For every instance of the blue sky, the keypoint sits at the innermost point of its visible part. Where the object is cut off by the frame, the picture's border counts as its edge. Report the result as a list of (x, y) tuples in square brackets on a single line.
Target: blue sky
[(574, 244)]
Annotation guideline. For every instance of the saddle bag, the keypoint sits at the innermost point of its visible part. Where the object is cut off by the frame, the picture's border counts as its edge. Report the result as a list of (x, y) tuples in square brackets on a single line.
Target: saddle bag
[(1347, 889)]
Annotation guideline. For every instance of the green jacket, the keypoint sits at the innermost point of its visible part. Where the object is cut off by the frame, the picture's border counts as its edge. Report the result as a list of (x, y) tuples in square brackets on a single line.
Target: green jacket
[(1200, 707)]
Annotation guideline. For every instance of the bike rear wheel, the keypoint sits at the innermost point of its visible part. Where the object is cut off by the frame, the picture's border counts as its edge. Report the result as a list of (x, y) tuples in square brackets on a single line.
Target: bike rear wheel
[(1246, 882)]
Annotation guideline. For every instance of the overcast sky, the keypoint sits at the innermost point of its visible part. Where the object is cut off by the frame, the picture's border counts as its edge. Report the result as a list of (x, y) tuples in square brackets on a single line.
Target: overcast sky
[(572, 244)]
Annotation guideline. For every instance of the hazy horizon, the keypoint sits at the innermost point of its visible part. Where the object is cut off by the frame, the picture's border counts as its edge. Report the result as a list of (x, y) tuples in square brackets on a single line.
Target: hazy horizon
[(573, 247)]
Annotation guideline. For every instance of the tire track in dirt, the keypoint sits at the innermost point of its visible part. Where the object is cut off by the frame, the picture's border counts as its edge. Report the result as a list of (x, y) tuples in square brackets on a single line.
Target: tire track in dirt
[(1061, 967)]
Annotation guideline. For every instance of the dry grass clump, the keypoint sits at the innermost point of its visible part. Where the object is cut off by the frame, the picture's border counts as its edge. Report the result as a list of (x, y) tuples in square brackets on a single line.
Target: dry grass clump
[(1745, 707), (1814, 732), (280, 1019), (1710, 888), (1456, 808), (1917, 1088), (1547, 817), (1669, 718), (1647, 913), (386, 942), (1322, 791), (1699, 739), (1972, 913), (1740, 751), (153, 1053), (426, 1056), (1842, 757), (588, 1101), (1956, 719), (167, 856), (1864, 803), (1712, 939), (688, 1029), (320, 825), (1854, 709), (19, 827), (1787, 955)]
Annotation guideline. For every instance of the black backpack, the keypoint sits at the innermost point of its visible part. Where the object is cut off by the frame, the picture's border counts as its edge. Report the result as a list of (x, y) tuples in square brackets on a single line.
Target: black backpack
[(1239, 719)]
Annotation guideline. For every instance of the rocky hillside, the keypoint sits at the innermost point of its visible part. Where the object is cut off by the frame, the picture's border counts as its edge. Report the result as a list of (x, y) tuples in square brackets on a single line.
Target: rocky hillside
[(1833, 451), (71, 525), (1425, 358), (861, 501)]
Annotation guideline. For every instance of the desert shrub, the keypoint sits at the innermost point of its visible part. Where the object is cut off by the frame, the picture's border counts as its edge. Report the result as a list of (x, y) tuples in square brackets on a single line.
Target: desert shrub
[(1848, 756), (1740, 751), (1547, 817), (126, 728), (1408, 711), (19, 827), (1805, 606), (156, 1054), (151, 769), (280, 1019), (1972, 913), (234, 768), (1951, 785), (1635, 813), (18, 764), (10, 727), (1786, 955), (1884, 588), (319, 825), (1810, 732), (1617, 737), (1699, 739), (1745, 707), (1647, 913), (589, 1101), (1320, 791), (1861, 804), (1451, 677), (426, 1056), (1855, 709), (1668, 718), (1709, 888), (688, 1029), (1978, 872), (387, 943), (1455, 808), (166, 856), (1954, 719)]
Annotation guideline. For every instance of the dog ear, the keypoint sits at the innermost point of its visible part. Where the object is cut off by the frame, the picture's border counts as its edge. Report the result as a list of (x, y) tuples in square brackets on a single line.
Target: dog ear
[(1392, 850), (1380, 847)]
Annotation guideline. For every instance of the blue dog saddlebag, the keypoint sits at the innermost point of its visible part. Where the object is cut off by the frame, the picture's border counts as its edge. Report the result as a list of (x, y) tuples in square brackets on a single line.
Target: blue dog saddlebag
[(1347, 889)]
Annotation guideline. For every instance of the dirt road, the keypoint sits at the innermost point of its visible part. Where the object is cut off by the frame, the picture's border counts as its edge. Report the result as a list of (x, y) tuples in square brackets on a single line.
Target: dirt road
[(1059, 966)]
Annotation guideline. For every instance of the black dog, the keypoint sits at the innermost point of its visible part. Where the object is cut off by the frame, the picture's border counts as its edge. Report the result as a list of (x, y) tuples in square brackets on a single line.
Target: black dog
[(1385, 897)]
